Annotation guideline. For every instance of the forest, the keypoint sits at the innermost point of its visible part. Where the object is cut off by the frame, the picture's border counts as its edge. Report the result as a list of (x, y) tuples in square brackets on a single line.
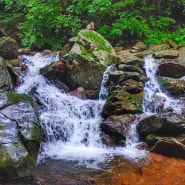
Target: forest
[(39, 24)]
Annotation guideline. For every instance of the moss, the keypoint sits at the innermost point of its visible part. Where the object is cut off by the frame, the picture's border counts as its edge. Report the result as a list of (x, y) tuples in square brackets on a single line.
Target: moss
[(164, 83), (16, 98), (100, 41)]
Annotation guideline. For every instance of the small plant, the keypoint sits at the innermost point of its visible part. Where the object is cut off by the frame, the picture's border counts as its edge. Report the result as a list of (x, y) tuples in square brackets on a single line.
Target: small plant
[(164, 83)]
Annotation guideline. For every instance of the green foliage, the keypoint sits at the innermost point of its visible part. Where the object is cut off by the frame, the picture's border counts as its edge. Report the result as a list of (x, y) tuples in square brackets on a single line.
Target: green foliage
[(16, 98), (50, 23)]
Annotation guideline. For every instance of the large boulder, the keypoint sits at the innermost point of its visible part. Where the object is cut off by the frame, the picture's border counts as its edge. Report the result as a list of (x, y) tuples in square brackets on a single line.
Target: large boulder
[(8, 48), (166, 124), (5, 79), (20, 136), (89, 57), (170, 54)]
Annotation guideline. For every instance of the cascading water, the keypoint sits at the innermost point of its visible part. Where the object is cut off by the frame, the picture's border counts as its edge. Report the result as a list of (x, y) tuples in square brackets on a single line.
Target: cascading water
[(154, 95), (71, 125)]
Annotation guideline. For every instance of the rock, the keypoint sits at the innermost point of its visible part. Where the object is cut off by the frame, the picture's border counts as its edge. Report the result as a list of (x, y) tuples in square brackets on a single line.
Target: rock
[(132, 86), (89, 57), (57, 74), (170, 147), (140, 46), (120, 76), (8, 48), (130, 68), (64, 50), (181, 58), (166, 124), (174, 86), (2, 33), (173, 44), (116, 127), (14, 62), (172, 69), (71, 42), (23, 51), (5, 79), (129, 58), (79, 92), (20, 136), (121, 102), (170, 54), (152, 49), (47, 52)]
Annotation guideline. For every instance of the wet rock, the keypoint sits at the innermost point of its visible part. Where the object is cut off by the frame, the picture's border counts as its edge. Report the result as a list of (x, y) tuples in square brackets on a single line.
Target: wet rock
[(8, 48), (121, 102), (79, 92), (166, 124), (47, 52), (57, 74), (116, 127), (89, 57), (20, 136), (14, 62), (170, 147), (172, 69), (5, 79), (140, 46), (173, 86)]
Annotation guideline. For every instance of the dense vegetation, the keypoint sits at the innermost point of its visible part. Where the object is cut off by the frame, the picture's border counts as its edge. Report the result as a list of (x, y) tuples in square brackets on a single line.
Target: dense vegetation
[(50, 23)]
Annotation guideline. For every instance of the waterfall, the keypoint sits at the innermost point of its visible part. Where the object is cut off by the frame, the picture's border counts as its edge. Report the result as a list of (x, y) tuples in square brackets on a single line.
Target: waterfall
[(71, 125), (154, 95)]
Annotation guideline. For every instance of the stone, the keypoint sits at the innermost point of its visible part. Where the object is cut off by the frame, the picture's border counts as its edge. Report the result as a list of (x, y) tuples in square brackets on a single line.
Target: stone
[(121, 102), (170, 54), (152, 49), (5, 79), (8, 48), (89, 58), (129, 58), (171, 68), (166, 124), (174, 86), (20, 136), (116, 127), (170, 147)]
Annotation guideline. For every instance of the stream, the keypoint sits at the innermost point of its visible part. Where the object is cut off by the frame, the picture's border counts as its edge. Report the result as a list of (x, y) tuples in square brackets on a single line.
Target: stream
[(72, 152)]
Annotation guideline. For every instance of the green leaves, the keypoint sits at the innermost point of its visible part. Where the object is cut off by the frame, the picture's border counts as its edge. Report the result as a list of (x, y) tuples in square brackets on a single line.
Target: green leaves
[(50, 23)]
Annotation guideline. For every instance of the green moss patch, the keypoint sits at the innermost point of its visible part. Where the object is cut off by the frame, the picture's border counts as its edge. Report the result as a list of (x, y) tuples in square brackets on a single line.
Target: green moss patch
[(16, 98)]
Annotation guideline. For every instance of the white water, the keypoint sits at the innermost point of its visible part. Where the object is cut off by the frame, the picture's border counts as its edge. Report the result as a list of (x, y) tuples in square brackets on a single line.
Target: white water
[(153, 91), (71, 125)]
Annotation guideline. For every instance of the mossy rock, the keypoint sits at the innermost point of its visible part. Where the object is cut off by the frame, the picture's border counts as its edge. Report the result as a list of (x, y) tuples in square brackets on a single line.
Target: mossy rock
[(121, 102), (89, 58)]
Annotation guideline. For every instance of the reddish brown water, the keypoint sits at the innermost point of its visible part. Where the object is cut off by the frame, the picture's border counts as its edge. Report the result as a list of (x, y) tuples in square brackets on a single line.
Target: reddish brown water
[(159, 170)]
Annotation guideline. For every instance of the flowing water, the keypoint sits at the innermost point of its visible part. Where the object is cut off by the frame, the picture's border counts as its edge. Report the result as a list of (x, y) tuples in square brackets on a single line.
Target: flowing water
[(154, 94), (72, 125)]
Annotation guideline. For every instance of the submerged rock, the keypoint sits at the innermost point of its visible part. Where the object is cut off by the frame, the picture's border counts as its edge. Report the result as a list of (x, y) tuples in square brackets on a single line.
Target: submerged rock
[(20, 136)]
